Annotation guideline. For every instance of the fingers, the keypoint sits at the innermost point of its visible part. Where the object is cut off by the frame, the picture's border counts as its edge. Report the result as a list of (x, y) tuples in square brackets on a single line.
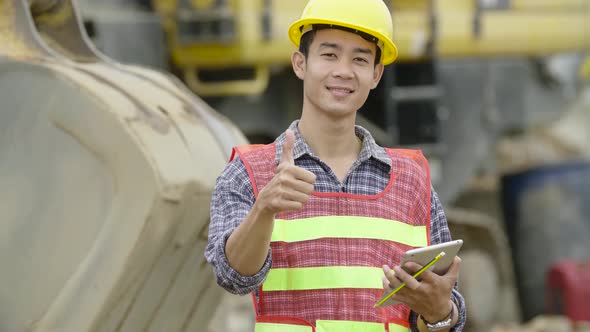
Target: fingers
[(389, 280), (287, 153), (296, 172), (303, 187), (426, 293), (285, 193), (433, 278), (289, 206), (412, 268), (295, 196), (386, 285), (405, 277), (285, 200), (305, 175), (454, 268)]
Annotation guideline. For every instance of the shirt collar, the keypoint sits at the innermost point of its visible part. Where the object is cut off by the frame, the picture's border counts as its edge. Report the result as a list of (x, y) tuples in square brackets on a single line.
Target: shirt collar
[(370, 149)]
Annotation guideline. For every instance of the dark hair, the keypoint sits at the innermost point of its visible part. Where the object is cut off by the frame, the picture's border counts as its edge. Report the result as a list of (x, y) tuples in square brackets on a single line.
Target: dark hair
[(307, 38)]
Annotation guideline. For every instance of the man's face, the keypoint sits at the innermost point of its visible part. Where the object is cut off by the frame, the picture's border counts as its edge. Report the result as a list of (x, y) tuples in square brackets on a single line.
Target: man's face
[(338, 73)]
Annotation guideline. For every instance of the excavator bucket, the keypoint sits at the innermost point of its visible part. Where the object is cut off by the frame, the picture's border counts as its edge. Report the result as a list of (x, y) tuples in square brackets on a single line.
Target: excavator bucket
[(107, 172)]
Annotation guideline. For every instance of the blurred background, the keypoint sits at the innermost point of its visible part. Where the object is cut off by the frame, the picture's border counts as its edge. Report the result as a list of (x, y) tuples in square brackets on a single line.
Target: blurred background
[(118, 115)]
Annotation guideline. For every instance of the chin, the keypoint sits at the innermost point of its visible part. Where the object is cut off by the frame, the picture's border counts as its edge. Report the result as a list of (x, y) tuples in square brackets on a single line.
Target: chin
[(339, 111), (342, 108)]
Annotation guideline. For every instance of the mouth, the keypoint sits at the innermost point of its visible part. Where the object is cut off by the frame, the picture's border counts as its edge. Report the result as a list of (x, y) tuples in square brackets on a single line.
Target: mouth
[(341, 91)]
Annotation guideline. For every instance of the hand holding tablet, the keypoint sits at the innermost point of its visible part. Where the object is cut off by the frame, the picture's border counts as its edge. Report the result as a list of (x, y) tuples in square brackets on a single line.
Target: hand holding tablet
[(437, 258)]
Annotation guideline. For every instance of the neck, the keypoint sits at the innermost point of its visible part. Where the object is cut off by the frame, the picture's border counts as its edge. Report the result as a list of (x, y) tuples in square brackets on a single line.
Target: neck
[(330, 138)]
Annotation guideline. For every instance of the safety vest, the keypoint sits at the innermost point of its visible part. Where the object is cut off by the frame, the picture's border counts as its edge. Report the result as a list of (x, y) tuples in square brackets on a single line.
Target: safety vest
[(327, 257)]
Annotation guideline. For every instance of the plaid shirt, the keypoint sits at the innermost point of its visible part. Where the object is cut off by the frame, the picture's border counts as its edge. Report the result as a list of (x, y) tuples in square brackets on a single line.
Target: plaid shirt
[(233, 198)]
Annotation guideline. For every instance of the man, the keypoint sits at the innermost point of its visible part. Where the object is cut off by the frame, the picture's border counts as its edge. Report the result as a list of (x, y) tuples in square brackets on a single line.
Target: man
[(310, 223)]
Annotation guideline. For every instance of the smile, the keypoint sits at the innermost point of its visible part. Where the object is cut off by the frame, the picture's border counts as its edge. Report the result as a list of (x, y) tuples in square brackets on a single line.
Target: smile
[(340, 90)]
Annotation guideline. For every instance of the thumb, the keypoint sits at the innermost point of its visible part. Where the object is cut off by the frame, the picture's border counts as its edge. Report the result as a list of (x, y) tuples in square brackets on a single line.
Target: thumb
[(287, 154), (455, 267)]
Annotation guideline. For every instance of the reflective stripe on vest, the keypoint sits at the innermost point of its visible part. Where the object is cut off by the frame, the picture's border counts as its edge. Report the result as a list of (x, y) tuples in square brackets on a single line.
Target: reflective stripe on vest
[(326, 277), (330, 277), (349, 227), (277, 327), (330, 326)]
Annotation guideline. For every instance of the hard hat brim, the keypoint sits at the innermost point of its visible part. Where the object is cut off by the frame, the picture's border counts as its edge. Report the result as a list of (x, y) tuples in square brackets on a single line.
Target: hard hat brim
[(388, 53)]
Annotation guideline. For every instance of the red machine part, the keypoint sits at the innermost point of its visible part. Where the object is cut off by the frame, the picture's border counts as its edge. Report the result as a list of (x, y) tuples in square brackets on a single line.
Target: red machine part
[(568, 293)]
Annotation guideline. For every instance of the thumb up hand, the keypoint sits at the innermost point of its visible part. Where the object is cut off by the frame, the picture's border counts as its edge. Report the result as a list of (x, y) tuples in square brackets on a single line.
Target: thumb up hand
[(291, 186)]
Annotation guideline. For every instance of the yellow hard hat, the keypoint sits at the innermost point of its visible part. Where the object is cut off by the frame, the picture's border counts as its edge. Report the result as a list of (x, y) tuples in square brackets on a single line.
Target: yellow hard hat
[(369, 16)]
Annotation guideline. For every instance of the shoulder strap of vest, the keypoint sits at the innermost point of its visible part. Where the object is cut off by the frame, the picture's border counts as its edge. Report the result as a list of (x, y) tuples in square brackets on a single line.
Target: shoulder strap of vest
[(242, 149), (413, 154), (422, 162), (254, 157)]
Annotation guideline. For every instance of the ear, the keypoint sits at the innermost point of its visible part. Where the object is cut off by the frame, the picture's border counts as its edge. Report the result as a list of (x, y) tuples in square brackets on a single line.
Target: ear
[(377, 73), (298, 62)]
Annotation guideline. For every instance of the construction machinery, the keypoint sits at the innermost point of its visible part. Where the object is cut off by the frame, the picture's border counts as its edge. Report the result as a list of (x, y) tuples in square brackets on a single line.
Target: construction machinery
[(107, 171), (237, 53), (115, 163)]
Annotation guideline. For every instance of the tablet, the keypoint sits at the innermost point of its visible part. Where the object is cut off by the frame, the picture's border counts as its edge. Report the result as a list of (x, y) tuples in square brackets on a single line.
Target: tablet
[(423, 256)]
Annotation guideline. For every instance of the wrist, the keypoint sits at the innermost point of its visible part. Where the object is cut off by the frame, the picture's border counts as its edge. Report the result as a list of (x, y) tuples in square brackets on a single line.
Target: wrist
[(446, 312), (263, 212)]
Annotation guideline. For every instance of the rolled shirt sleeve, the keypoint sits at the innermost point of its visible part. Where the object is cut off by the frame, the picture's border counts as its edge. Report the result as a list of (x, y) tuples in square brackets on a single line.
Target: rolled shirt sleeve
[(231, 202)]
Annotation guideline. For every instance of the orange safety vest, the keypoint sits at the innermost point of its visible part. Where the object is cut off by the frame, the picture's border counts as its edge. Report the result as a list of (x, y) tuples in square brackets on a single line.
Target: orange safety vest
[(327, 257)]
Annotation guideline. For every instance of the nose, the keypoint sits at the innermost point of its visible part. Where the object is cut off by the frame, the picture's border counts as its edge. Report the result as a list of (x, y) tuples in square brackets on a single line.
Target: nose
[(343, 69)]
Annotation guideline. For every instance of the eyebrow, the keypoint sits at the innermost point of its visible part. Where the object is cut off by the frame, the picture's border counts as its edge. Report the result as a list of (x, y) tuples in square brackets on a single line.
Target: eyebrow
[(338, 47)]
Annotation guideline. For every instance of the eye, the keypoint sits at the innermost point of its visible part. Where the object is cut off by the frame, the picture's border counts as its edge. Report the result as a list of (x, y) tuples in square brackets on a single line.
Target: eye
[(328, 55), (362, 60)]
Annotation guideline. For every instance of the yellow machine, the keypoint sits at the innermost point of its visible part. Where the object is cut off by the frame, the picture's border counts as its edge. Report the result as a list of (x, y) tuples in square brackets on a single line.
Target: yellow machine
[(220, 35)]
